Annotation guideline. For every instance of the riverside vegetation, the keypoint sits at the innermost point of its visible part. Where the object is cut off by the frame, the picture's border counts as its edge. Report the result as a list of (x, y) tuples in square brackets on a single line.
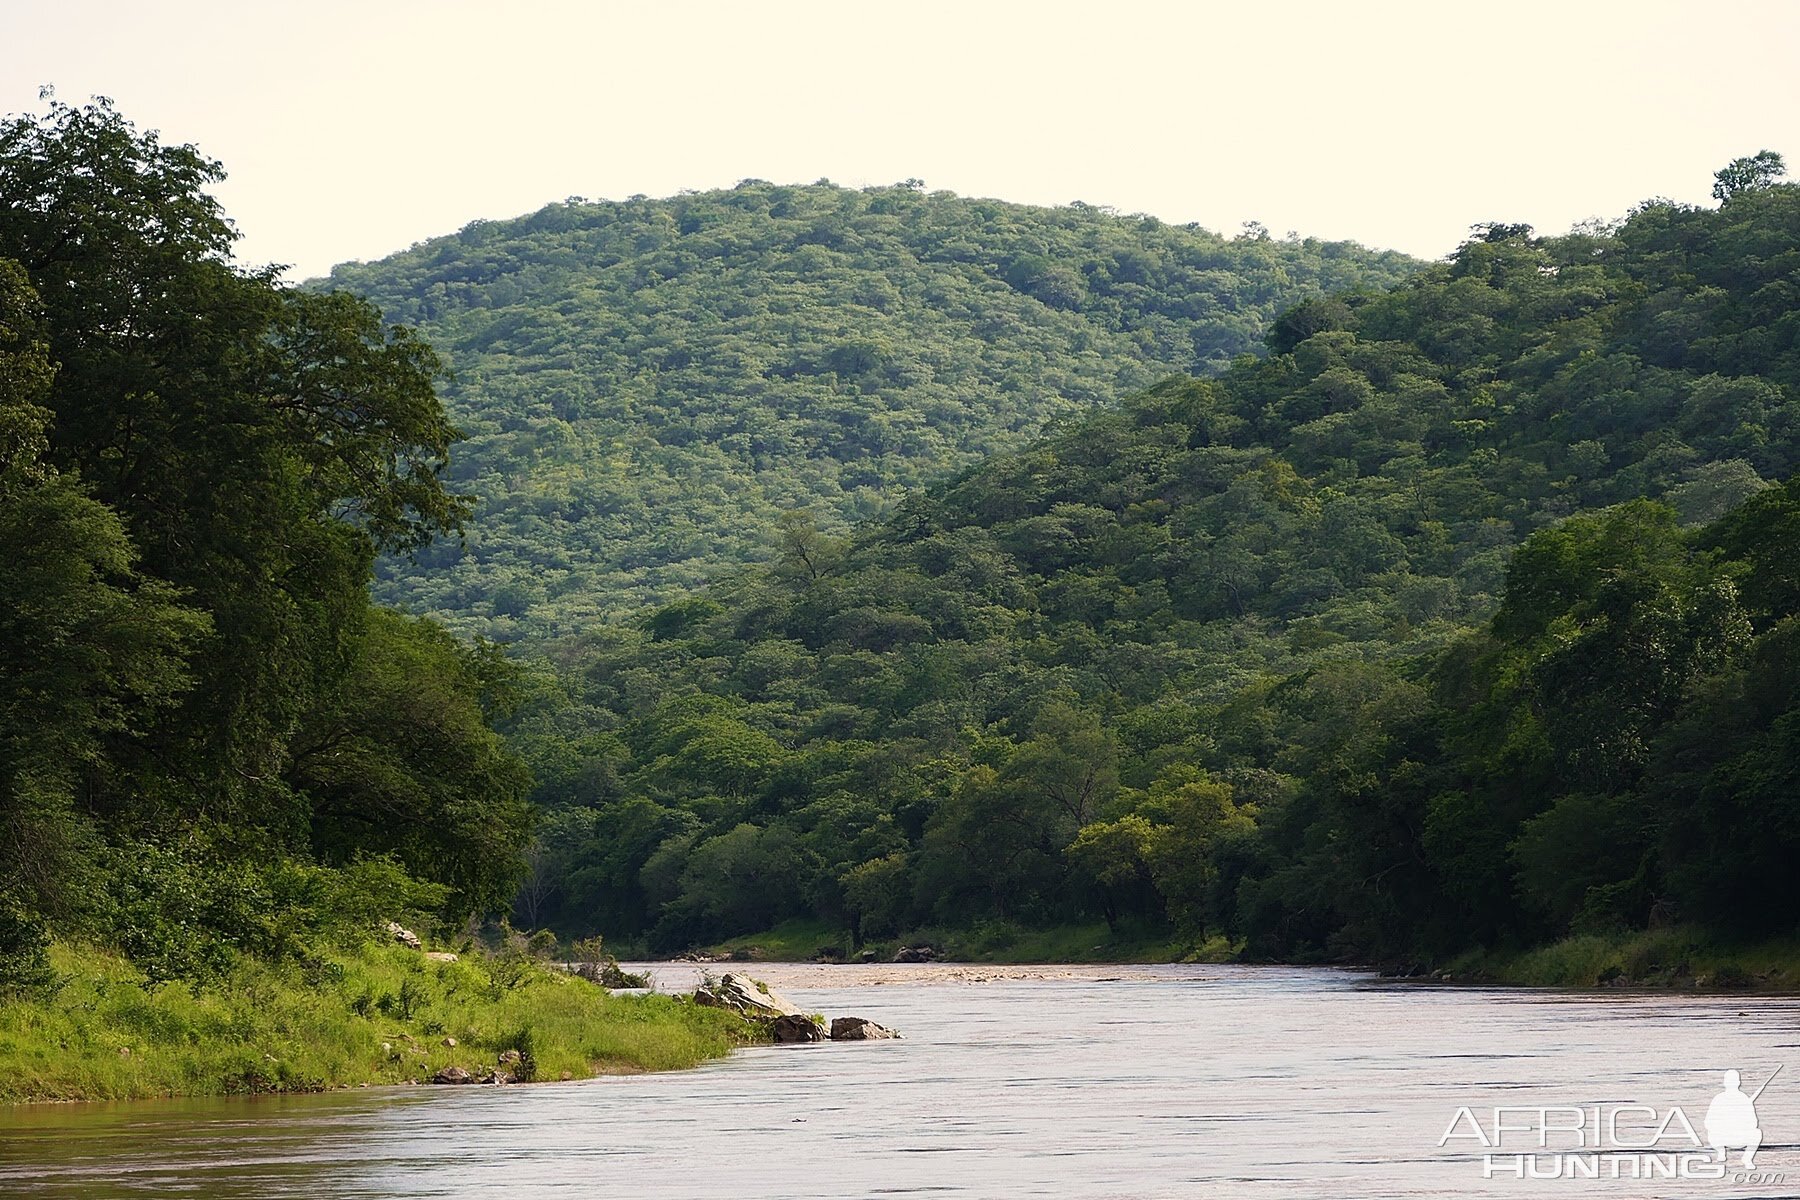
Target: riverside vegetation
[(222, 767), (1460, 621), (344, 1014)]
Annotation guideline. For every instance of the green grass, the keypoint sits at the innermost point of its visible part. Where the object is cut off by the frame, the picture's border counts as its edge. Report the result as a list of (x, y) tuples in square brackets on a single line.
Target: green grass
[(1679, 957), (1004, 942), (1676, 957), (368, 1015), (995, 941), (791, 941)]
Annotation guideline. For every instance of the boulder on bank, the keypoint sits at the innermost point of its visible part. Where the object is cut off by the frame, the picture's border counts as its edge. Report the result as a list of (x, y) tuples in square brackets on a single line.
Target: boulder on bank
[(795, 1027), (453, 1075), (404, 936), (859, 1029), (746, 997), (916, 954)]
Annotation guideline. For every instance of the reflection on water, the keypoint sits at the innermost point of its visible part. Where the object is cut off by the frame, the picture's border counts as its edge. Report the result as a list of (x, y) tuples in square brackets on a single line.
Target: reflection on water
[(1088, 1082)]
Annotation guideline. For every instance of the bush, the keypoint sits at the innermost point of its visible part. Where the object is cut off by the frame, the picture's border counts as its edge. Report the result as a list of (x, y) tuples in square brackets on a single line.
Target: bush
[(594, 964), (179, 917), (370, 891), (521, 1040), (182, 913), (512, 963), (24, 957)]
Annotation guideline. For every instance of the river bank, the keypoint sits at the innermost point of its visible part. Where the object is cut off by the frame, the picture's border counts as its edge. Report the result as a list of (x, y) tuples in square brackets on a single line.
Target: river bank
[(345, 1017), (996, 942), (386, 1014), (1676, 957), (1078, 1082)]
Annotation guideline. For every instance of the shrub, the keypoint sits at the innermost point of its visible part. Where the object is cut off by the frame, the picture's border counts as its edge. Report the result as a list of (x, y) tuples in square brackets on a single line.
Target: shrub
[(594, 964), (24, 958), (525, 1070)]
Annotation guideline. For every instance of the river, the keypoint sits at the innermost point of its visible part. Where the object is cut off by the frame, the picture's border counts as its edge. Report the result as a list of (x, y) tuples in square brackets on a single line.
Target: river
[(1177, 1081)]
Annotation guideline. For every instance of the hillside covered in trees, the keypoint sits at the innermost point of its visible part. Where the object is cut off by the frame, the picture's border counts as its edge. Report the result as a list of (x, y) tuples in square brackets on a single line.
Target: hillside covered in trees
[(646, 384), (1466, 618)]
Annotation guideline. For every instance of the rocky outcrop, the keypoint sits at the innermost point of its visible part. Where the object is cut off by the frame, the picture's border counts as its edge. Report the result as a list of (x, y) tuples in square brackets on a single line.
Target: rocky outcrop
[(404, 936), (859, 1029), (780, 1017), (796, 1027), (746, 997), (457, 1075)]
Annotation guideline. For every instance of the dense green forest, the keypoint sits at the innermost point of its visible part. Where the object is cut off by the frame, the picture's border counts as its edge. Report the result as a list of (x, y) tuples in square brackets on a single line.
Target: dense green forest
[(212, 744), (1465, 618), (646, 384)]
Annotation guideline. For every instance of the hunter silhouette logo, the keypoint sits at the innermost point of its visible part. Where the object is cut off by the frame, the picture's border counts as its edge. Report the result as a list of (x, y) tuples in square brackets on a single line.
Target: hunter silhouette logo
[(1620, 1141), (1731, 1119)]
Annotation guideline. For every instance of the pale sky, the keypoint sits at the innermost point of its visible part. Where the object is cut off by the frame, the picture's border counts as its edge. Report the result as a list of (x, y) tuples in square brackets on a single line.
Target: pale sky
[(352, 130)]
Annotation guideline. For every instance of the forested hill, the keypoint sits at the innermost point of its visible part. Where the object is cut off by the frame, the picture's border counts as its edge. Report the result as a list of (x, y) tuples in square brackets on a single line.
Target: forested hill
[(647, 384), (1467, 617)]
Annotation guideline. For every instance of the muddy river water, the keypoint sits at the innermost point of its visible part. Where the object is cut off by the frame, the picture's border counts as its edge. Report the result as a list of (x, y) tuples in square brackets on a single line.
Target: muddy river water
[(1176, 1081)]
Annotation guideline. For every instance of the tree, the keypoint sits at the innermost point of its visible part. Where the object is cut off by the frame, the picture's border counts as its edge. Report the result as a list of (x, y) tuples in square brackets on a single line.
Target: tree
[(1191, 815), (1070, 762), (1763, 169), (806, 552), (191, 672), (401, 761), (91, 650), (261, 446), (1112, 856), (876, 896)]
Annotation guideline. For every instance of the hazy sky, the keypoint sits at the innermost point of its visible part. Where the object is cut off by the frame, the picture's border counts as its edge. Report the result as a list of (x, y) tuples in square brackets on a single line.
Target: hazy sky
[(354, 129)]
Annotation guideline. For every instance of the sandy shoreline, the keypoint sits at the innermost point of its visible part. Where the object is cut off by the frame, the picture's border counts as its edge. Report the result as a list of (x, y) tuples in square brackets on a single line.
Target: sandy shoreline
[(681, 976)]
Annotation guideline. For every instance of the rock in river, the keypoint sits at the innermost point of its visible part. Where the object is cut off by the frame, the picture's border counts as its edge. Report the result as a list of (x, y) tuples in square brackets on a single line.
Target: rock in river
[(859, 1029), (746, 997), (795, 1027)]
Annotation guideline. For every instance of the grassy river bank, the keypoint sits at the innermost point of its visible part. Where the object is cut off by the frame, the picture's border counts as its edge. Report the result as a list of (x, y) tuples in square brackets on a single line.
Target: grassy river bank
[(347, 1017), (383, 1014), (1675, 957)]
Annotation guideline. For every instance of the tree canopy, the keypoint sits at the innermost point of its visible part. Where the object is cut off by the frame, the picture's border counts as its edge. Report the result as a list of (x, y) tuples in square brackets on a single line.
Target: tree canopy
[(198, 468), (1459, 619), (649, 384)]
